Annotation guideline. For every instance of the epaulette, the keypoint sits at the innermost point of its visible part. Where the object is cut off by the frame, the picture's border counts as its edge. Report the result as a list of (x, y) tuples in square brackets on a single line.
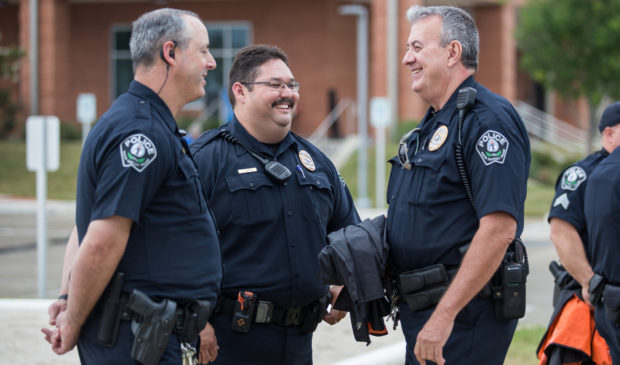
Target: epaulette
[(205, 138)]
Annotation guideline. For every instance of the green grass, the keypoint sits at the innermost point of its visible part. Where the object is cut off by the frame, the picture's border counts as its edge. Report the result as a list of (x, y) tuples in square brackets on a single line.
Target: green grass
[(15, 179), (522, 350)]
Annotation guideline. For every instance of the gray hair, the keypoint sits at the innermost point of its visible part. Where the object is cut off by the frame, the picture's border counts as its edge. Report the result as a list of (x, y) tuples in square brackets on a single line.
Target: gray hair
[(151, 30), (457, 25)]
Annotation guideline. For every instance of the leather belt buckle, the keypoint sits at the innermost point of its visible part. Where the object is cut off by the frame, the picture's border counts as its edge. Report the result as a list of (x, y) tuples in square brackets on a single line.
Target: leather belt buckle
[(264, 312), (292, 316)]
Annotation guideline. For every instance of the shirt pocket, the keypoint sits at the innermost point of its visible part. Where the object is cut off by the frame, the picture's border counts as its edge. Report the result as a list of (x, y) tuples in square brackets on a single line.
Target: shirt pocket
[(317, 191), (253, 198), (428, 177), (192, 187)]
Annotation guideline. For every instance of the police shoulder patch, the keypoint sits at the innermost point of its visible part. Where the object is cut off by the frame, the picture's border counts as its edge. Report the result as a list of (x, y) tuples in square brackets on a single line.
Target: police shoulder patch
[(573, 177), (492, 147), (137, 151)]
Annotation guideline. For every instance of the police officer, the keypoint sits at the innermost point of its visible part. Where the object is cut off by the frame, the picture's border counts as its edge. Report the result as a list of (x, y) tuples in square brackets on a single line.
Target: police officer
[(567, 220), (272, 227), (430, 215), (569, 235), (602, 212), (140, 209), (566, 216)]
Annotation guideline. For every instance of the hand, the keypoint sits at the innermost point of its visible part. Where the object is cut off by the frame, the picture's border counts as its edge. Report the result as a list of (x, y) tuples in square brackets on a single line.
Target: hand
[(208, 345), (66, 334), (56, 307), (334, 316), (432, 338), (51, 336), (586, 295)]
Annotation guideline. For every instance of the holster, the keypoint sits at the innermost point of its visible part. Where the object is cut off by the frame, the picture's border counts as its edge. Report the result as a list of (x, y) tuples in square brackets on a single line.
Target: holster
[(595, 288), (111, 312), (154, 328), (509, 283), (192, 319), (611, 299), (314, 313)]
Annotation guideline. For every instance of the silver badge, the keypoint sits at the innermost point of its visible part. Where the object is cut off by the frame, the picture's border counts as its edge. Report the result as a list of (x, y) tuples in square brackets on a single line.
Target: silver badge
[(573, 177), (492, 147), (137, 151)]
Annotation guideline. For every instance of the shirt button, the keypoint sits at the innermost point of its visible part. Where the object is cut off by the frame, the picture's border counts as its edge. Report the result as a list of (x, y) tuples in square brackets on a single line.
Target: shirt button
[(419, 160), (292, 244), (289, 213), (142, 101), (251, 184)]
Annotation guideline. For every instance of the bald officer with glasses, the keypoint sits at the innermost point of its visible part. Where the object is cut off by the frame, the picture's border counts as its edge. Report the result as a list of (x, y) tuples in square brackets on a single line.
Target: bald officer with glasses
[(275, 197), (431, 211)]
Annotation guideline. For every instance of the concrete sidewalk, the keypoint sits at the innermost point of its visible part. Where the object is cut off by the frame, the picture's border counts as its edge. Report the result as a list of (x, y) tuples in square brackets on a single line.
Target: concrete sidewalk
[(23, 315)]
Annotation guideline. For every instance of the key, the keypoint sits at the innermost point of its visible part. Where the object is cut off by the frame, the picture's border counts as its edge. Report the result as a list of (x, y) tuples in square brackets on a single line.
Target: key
[(188, 354)]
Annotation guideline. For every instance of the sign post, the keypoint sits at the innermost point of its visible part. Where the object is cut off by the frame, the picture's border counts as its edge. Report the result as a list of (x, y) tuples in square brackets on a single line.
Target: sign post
[(380, 119), (86, 112), (42, 155)]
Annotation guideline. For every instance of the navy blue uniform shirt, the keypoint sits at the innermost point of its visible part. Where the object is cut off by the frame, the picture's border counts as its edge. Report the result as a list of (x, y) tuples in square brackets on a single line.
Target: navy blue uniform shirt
[(134, 165), (429, 215), (602, 209), (271, 234), (570, 189)]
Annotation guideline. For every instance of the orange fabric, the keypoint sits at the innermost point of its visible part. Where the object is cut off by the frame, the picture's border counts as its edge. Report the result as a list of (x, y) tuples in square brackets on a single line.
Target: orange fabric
[(574, 327)]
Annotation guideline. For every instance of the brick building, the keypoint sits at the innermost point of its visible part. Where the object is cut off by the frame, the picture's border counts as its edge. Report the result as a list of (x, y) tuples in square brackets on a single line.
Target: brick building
[(83, 48)]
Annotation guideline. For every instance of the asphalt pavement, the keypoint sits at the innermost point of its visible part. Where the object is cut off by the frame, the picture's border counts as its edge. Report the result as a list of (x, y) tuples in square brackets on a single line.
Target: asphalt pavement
[(23, 314)]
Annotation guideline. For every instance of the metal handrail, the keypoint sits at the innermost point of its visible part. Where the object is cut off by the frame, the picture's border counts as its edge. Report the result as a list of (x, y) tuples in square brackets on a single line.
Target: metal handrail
[(330, 119), (551, 129)]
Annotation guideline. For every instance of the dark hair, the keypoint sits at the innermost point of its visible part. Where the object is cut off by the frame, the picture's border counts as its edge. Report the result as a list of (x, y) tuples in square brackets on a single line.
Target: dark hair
[(247, 62), (151, 30), (457, 25)]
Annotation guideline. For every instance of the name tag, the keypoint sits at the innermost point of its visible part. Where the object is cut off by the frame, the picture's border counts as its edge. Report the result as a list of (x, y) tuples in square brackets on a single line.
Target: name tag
[(248, 170)]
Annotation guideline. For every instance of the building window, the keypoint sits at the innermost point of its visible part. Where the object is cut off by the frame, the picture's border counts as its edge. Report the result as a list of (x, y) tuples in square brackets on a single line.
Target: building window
[(226, 39), (122, 72)]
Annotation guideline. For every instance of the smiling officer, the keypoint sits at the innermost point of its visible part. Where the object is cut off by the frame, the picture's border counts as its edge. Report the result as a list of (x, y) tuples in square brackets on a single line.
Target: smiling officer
[(451, 185), (275, 197)]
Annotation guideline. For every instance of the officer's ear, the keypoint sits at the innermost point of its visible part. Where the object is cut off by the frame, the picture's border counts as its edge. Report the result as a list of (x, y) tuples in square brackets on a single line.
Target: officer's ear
[(455, 50), (240, 92)]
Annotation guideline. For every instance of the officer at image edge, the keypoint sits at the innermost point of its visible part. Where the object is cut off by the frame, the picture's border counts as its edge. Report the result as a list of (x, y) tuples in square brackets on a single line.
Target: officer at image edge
[(602, 211), (140, 210)]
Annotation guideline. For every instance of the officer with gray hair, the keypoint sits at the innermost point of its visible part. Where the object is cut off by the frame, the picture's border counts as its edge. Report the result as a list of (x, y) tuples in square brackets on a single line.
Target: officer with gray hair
[(147, 270), (456, 194)]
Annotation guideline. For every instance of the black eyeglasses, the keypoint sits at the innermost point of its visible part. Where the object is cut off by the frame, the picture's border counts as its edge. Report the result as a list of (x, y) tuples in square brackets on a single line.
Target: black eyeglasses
[(276, 84), (403, 149)]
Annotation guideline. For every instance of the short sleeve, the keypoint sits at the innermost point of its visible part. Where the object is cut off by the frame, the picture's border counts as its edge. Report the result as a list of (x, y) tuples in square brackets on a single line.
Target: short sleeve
[(131, 170), (498, 163)]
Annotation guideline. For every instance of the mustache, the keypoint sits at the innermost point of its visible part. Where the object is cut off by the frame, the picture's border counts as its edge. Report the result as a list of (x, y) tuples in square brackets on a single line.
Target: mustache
[(288, 101)]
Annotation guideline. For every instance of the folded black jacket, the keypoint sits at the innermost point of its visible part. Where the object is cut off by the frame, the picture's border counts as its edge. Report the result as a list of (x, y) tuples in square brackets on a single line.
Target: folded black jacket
[(356, 257)]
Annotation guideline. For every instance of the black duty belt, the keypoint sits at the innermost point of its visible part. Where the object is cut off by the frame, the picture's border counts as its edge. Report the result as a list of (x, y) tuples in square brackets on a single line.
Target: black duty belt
[(266, 312)]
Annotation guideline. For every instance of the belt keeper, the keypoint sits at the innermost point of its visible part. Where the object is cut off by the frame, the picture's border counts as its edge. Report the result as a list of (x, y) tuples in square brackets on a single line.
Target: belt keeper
[(292, 316)]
